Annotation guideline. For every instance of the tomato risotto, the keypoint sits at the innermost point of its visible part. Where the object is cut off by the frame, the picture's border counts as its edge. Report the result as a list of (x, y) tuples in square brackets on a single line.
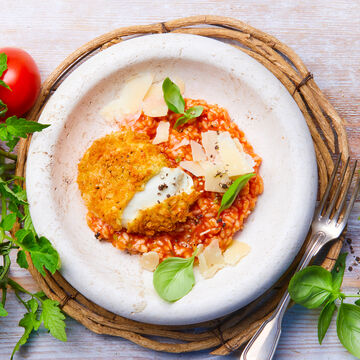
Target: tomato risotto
[(202, 224)]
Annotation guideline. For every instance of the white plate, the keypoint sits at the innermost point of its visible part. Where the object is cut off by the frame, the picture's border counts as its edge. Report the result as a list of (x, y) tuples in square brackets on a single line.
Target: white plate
[(261, 107)]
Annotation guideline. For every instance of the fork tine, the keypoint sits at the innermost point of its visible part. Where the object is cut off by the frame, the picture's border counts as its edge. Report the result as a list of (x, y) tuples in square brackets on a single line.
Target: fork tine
[(327, 191), (352, 200), (338, 190), (343, 200)]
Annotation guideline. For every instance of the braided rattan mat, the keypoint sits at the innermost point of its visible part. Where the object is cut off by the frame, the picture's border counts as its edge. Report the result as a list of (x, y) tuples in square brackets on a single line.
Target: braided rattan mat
[(329, 137)]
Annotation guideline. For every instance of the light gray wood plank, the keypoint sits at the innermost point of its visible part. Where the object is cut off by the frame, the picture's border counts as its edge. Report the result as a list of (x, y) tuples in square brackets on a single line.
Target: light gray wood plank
[(326, 34)]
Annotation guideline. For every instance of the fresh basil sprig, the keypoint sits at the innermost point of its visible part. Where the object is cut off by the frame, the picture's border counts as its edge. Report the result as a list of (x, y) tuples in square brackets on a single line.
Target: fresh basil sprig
[(3, 67), (176, 103), (314, 287), (174, 277), (233, 191)]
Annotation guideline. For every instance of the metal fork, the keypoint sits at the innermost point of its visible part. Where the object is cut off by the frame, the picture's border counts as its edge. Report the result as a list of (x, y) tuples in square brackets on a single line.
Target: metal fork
[(327, 225)]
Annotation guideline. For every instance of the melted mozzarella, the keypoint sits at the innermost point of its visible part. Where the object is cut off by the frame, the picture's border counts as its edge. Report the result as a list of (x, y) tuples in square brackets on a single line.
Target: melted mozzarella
[(169, 182)]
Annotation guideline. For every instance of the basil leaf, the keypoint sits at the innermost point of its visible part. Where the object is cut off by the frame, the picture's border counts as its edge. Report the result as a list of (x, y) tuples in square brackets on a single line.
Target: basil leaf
[(3, 63), (173, 97), (311, 286), (194, 112), (348, 327), (20, 127), (233, 191), (190, 113), (357, 302), (338, 271), (174, 278), (4, 84), (3, 108), (181, 121), (325, 319)]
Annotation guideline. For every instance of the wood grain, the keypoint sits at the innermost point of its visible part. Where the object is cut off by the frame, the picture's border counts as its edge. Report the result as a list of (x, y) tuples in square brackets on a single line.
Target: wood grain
[(325, 35)]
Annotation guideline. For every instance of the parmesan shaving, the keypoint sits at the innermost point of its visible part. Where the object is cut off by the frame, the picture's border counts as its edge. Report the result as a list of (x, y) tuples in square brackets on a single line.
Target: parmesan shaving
[(183, 142), (209, 142), (233, 156), (149, 261), (128, 104), (197, 151), (216, 179), (235, 252), (193, 167), (162, 132), (211, 259), (154, 104)]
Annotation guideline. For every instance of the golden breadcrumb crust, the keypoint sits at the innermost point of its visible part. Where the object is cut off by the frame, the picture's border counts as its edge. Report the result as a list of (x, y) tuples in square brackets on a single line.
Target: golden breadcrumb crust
[(163, 216), (113, 169)]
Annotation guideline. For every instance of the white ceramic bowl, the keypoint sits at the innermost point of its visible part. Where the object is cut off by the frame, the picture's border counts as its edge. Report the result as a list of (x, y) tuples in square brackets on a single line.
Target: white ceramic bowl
[(261, 107)]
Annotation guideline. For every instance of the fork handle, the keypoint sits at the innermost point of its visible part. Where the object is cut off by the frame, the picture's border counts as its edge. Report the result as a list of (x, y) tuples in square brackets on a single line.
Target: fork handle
[(263, 344)]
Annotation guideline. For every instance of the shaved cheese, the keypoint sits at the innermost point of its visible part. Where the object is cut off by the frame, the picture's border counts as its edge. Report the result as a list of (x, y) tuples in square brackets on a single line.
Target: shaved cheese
[(216, 179), (162, 132), (209, 142), (128, 104), (183, 142), (149, 261), (235, 252), (198, 152), (211, 259), (193, 167), (154, 104), (233, 156)]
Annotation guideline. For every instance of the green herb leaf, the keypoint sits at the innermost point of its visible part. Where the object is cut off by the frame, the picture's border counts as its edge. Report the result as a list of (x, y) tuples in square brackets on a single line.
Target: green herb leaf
[(21, 259), (27, 322), (3, 108), (311, 287), (189, 114), (28, 225), (357, 302), (41, 251), (3, 63), (174, 278), (173, 97), (8, 222), (21, 127), (53, 319), (10, 194), (4, 84), (325, 319), (233, 191), (181, 121), (3, 312), (194, 112), (348, 327), (338, 271)]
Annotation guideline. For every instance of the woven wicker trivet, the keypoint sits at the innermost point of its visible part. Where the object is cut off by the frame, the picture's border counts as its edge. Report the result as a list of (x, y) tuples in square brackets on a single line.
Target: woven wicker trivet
[(329, 137)]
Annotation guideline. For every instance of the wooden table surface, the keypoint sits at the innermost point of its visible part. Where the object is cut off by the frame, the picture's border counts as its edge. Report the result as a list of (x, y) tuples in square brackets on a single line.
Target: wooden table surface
[(326, 35)]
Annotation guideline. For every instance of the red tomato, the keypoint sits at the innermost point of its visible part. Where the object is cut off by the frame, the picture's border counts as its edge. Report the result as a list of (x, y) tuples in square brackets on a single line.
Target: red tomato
[(23, 77)]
